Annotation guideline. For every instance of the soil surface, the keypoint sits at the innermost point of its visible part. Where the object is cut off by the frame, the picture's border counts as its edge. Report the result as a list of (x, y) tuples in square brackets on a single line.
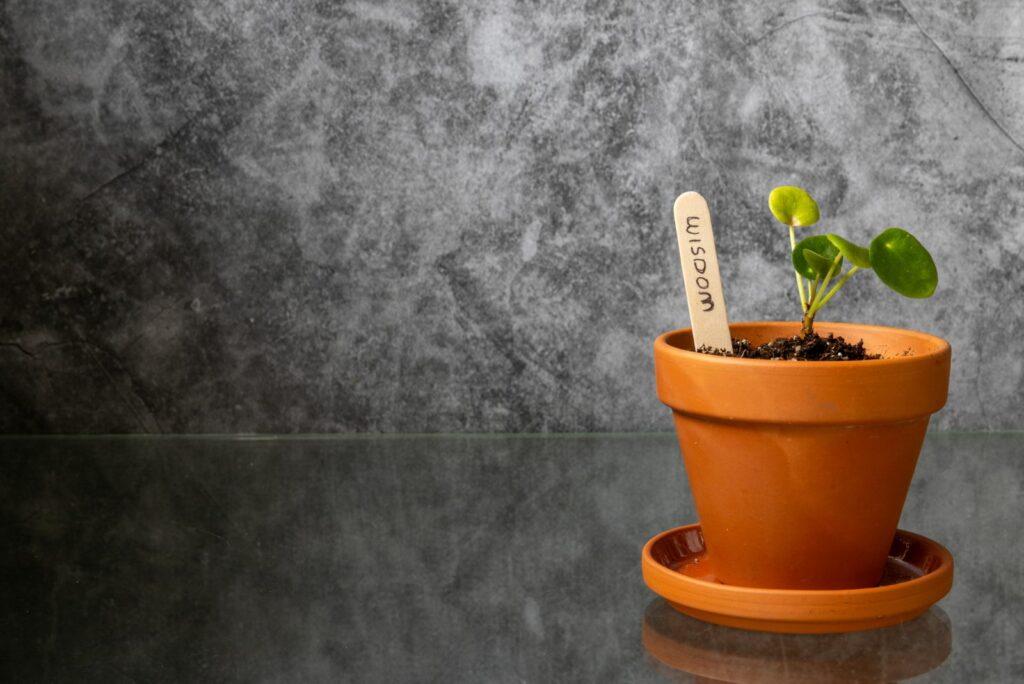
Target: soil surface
[(796, 348)]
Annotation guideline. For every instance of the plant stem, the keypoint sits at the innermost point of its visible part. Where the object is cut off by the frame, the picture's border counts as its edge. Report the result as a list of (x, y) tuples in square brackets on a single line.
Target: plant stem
[(814, 289), (814, 304), (799, 280), (807, 325), (835, 289)]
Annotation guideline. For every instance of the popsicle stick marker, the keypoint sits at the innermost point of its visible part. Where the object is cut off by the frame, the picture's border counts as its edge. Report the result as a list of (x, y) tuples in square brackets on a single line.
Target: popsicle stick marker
[(703, 283)]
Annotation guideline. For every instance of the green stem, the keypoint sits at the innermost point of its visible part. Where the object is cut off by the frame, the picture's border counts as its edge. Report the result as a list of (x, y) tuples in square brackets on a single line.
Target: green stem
[(814, 305), (835, 289), (814, 289), (807, 325), (799, 280)]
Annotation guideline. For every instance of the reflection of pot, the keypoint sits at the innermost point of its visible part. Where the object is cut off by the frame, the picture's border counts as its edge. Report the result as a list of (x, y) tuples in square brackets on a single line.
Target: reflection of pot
[(729, 655), (799, 470)]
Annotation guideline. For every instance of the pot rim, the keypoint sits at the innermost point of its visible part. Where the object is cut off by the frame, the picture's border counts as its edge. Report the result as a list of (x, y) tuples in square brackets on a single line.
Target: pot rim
[(939, 347), (888, 390)]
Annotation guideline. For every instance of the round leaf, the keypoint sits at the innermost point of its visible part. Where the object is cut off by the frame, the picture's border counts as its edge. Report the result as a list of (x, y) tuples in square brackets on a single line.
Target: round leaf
[(817, 262), (793, 206), (903, 263), (858, 256), (822, 248)]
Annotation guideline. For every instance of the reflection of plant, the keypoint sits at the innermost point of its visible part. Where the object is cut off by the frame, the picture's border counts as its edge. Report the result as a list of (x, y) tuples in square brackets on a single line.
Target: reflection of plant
[(896, 257)]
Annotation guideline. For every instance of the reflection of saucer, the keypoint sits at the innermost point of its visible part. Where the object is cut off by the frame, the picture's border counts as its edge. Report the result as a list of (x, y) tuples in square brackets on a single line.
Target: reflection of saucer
[(919, 572), (720, 653), (730, 655)]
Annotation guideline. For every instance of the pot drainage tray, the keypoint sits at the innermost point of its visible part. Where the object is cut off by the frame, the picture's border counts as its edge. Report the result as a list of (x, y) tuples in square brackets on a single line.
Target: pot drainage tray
[(918, 573)]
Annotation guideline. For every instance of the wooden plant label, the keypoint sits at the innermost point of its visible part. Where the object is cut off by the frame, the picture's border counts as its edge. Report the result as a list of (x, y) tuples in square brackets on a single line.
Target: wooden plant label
[(699, 260)]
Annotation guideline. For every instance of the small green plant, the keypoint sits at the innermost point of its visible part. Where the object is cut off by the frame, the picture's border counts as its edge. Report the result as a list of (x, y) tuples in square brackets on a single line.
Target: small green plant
[(896, 257)]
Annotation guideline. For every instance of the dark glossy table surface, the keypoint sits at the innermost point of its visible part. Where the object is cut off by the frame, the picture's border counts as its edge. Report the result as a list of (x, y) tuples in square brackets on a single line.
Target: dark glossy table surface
[(441, 559)]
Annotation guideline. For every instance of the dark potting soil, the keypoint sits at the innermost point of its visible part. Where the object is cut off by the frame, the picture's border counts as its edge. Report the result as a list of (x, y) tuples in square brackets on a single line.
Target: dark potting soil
[(796, 348)]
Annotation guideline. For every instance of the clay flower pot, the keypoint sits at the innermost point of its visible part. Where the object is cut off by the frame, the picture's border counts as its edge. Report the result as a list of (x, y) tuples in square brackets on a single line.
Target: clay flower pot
[(799, 469)]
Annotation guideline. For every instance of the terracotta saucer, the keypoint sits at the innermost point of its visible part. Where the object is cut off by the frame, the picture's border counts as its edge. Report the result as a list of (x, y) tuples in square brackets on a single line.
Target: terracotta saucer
[(918, 573)]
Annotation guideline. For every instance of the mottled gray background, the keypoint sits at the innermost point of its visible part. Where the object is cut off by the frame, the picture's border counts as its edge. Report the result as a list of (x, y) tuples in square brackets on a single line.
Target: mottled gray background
[(317, 216)]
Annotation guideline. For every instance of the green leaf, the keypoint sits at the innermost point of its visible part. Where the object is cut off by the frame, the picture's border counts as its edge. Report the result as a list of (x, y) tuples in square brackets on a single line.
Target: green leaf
[(793, 206), (817, 262), (858, 256), (903, 263), (822, 248)]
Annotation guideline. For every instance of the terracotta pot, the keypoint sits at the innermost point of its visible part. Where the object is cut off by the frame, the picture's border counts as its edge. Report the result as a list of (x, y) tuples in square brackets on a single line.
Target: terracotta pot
[(798, 469)]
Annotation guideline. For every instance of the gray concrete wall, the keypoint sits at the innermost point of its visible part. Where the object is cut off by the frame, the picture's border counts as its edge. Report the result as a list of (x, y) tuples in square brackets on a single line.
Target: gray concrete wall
[(269, 216)]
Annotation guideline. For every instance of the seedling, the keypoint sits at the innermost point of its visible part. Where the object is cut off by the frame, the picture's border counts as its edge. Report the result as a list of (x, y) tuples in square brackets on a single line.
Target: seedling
[(896, 257)]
